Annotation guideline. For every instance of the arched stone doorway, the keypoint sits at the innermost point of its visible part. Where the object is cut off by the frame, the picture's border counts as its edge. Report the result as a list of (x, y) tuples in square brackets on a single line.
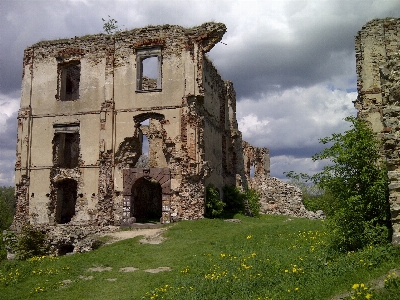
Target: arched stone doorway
[(146, 200), (146, 192)]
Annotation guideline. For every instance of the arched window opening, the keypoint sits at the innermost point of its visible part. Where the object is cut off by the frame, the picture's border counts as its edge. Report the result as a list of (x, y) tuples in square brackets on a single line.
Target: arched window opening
[(146, 200), (66, 200)]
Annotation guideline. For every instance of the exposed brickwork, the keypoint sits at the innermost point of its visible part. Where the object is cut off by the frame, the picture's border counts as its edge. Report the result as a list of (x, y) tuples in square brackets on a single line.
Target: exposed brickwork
[(280, 198), (378, 56), (86, 110)]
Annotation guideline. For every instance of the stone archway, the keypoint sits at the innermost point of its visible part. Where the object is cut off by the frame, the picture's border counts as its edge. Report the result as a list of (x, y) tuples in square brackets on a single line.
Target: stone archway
[(136, 178)]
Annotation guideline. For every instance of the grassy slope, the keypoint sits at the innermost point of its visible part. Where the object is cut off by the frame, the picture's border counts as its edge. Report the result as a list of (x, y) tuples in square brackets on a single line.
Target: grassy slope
[(260, 258)]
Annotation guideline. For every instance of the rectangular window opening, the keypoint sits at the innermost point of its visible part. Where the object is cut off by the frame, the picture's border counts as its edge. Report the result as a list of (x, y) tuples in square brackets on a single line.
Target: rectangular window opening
[(148, 64), (68, 81), (66, 146)]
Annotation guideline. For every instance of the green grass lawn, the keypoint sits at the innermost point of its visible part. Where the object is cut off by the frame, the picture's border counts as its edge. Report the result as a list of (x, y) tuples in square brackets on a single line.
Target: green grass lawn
[(271, 257)]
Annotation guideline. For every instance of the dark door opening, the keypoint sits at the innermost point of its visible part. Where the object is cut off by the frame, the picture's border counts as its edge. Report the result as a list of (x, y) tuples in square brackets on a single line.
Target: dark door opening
[(66, 200), (146, 200)]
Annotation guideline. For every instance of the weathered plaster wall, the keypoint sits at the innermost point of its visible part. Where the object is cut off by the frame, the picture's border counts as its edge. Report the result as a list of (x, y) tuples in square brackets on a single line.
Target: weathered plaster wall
[(378, 56), (105, 111), (86, 108)]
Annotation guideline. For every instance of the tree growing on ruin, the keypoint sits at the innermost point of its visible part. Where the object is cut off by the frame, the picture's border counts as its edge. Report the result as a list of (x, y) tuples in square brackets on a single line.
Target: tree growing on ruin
[(357, 182), (110, 26)]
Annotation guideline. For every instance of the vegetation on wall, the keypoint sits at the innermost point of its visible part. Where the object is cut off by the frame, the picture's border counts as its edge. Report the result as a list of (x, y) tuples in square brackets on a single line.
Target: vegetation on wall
[(355, 188), (110, 26)]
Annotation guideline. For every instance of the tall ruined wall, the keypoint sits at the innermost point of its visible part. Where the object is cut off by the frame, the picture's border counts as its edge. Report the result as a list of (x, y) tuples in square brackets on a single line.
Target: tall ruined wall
[(88, 106), (223, 140), (91, 93), (378, 101)]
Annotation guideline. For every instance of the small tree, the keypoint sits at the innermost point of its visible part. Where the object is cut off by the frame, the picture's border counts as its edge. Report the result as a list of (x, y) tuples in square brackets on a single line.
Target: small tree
[(357, 181), (110, 26)]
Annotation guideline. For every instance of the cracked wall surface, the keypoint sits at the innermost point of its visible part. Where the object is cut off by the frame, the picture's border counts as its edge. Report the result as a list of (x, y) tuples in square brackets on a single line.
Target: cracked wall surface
[(378, 101), (88, 110)]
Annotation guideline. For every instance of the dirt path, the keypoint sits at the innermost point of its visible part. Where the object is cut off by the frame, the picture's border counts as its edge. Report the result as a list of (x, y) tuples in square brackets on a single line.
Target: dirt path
[(150, 236)]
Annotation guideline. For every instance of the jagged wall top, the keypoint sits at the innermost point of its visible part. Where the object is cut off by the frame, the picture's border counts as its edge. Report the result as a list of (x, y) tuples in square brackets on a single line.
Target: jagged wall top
[(207, 35)]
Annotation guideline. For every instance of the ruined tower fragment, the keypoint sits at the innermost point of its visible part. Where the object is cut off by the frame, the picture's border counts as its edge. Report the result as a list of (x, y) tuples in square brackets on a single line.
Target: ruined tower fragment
[(378, 101)]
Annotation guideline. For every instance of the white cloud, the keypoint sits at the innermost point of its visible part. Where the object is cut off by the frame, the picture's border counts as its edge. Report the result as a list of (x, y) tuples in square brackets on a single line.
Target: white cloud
[(8, 106), (286, 163), (294, 118), (251, 125)]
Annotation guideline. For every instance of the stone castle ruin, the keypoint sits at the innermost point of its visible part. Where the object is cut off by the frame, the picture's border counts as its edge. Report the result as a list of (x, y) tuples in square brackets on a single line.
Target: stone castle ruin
[(92, 106), (378, 101)]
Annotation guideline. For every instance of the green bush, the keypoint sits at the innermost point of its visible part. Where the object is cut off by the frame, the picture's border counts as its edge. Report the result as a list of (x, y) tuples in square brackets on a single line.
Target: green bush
[(7, 210), (313, 197), (29, 243), (357, 183), (234, 200), (3, 252), (253, 199), (7, 206), (214, 204), (232, 203)]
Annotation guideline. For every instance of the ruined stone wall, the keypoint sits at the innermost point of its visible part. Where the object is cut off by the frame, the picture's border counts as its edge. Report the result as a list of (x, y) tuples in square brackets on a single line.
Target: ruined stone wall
[(279, 198), (377, 58), (233, 162), (92, 82), (87, 107), (214, 121), (256, 160)]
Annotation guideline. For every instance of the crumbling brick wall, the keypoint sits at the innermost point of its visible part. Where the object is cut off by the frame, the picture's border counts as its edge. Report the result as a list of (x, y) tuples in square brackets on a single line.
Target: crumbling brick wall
[(82, 127), (276, 196), (377, 59), (90, 81)]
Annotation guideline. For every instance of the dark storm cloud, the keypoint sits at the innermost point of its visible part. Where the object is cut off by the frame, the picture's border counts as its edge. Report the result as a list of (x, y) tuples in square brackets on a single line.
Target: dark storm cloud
[(318, 46), (8, 134)]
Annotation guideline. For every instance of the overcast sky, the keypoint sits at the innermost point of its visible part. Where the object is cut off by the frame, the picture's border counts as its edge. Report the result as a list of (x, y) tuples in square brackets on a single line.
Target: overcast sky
[(292, 62)]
